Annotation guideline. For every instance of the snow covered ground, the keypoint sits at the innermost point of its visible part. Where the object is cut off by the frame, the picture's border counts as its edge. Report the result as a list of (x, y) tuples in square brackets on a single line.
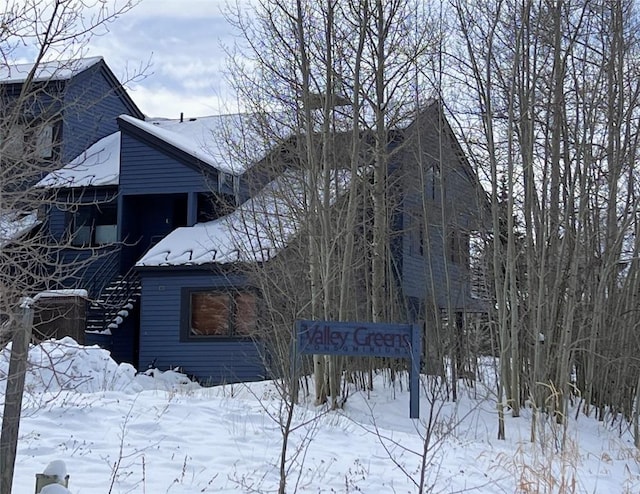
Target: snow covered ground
[(122, 432)]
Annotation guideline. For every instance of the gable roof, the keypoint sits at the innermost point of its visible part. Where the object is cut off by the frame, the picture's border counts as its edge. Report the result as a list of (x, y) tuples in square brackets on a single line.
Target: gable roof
[(65, 70), (212, 140), (99, 165), (56, 70)]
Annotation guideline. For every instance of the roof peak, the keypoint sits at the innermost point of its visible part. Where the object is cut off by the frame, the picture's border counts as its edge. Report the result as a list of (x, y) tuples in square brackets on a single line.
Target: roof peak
[(51, 70)]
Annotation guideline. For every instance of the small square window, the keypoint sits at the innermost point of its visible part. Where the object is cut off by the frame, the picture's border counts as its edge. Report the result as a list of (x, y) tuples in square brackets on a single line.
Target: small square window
[(12, 142), (106, 234), (82, 236)]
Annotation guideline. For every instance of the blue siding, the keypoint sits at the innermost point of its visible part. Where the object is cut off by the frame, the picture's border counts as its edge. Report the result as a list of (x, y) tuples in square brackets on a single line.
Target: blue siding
[(147, 170), (85, 264), (57, 218), (430, 274), (92, 104), (160, 344)]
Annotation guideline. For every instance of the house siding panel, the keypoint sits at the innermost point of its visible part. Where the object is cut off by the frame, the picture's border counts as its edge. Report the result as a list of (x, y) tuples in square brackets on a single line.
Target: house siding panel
[(91, 106), (431, 273), (147, 170), (214, 362)]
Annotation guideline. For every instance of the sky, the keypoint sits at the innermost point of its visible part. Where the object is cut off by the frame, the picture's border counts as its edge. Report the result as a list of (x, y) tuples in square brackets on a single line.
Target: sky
[(182, 41), (157, 432)]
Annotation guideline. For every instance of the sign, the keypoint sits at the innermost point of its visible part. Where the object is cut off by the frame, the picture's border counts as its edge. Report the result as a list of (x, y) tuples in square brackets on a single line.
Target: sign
[(363, 339)]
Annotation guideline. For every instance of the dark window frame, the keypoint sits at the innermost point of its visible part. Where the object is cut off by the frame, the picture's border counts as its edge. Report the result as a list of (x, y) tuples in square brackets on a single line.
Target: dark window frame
[(96, 214), (25, 138), (458, 247), (186, 333), (417, 236)]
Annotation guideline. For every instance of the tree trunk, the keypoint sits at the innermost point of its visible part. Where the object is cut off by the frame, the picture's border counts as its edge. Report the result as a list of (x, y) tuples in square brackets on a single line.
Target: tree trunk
[(13, 398)]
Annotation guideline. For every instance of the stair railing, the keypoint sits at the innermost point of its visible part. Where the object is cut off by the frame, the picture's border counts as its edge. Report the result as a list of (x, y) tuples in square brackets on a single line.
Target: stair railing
[(105, 274), (122, 290)]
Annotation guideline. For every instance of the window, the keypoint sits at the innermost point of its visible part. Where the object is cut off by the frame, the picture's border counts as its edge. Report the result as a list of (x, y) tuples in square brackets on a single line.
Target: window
[(208, 208), (94, 225), (22, 141), (212, 206), (218, 313), (12, 142), (458, 247), (416, 233), (44, 141)]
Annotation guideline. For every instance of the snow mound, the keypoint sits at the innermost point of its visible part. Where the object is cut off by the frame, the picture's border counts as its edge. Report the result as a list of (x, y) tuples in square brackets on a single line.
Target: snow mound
[(55, 489), (56, 468), (65, 365)]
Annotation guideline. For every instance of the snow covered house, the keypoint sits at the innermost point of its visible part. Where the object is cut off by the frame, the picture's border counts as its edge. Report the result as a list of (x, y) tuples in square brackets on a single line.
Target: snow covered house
[(156, 207), (189, 278), (49, 113), (66, 106)]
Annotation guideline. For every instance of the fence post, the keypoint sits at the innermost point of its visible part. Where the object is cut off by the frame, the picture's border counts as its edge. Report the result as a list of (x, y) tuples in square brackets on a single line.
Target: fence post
[(13, 397)]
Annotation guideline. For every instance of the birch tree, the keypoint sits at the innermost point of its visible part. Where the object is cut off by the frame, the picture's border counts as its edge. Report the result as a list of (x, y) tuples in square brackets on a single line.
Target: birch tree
[(555, 88)]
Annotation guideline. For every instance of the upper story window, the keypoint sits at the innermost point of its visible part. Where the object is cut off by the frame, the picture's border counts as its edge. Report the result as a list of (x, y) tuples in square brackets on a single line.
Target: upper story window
[(94, 225), (45, 141), (219, 313), (12, 142), (458, 247), (28, 142), (415, 231), (416, 235)]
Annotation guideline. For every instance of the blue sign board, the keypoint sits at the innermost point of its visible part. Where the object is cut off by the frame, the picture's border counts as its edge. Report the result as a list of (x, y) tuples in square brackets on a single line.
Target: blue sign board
[(363, 339)]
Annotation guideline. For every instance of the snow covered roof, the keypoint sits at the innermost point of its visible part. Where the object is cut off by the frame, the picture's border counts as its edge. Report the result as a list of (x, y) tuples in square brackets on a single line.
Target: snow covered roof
[(98, 165), (15, 224), (56, 70), (255, 232), (213, 140)]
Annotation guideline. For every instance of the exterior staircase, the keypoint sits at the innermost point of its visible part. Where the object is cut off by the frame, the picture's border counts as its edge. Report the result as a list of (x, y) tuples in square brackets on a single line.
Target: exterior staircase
[(115, 302)]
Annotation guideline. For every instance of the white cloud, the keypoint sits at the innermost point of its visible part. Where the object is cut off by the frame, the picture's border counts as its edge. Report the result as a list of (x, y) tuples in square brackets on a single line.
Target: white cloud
[(179, 42), (182, 41), (161, 101), (185, 9)]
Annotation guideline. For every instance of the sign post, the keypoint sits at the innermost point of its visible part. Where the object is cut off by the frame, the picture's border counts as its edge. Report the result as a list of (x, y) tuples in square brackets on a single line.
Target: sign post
[(363, 339)]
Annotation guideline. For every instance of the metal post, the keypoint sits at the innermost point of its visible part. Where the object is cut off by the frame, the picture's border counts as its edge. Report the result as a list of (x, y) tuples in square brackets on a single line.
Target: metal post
[(414, 373)]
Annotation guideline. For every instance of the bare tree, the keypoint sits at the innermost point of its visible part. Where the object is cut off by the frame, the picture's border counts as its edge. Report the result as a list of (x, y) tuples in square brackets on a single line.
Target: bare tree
[(340, 97), (555, 89)]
